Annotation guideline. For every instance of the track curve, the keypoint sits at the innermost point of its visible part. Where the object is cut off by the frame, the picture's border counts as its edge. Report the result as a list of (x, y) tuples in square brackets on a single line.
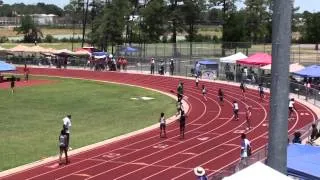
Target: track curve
[(212, 136)]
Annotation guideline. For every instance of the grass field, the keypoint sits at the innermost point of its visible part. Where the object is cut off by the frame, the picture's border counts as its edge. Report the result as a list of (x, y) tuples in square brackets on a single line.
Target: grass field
[(31, 119)]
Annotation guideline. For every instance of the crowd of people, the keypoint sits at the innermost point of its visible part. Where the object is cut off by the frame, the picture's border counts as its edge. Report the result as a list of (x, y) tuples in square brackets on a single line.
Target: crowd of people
[(109, 63)]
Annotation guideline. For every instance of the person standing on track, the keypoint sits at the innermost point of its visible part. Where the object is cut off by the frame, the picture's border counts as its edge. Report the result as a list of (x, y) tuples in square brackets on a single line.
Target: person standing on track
[(291, 107), (182, 124), (236, 110), (197, 81), (248, 117), (245, 151), (220, 95), (243, 90), (204, 92), (63, 146), (180, 91), (179, 107), (261, 92), (66, 128), (162, 121)]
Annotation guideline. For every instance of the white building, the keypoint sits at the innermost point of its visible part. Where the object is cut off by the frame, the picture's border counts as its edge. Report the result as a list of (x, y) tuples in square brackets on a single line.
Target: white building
[(43, 19)]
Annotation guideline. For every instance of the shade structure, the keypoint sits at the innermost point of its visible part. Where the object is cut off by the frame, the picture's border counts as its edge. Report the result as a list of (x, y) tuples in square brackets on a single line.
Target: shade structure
[(2, 49), (19, 48), (293, 67), (6, 67), (207, 62), (63, 52), (99, 55), (129, 49), (259, 171), (258, 59), (233, 58), (304, 161), (82, 52), (310, 71), (37, 49)]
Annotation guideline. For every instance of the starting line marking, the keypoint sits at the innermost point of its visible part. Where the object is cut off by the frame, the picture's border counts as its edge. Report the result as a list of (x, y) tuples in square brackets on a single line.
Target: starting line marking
[(82, 175), (55, 165), (111, 155), (160, 146), (203, 139), (304, 114), (239, 131)]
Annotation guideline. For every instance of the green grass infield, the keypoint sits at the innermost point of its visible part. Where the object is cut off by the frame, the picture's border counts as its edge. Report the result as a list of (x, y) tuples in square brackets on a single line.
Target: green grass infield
[(31, 119)]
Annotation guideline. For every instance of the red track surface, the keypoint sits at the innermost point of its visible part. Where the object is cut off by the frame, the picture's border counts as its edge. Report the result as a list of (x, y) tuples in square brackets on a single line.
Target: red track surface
[(212, 136)]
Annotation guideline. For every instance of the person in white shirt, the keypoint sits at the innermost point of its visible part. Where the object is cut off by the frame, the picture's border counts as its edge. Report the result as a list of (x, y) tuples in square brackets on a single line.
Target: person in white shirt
[(66, 127), (236, 110), (245, 150), (162, 121), (291, 107), (197, 81), (152, 65)]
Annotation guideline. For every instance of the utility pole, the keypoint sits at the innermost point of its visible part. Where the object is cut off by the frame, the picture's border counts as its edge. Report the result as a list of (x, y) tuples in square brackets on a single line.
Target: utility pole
[(278, 124)]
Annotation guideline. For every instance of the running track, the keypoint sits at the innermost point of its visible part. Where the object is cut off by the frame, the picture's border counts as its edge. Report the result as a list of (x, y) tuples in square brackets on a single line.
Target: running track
[(212, 136)]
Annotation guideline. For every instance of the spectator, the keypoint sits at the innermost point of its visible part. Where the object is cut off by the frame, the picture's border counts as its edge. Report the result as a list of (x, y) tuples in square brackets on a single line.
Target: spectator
[(171, 66), (314, 133), (13, 83), (200, 173), (152, 65), (297, 138)]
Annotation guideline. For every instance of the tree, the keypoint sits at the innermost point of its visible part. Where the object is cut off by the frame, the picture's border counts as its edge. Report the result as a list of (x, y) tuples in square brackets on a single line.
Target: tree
[(31, 32), (257, 19), (191, 10), (311, 31), (110, 26), (153, 20)]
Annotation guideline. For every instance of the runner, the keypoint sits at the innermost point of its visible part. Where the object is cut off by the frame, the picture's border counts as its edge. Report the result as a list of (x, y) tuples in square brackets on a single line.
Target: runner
[(179, 107), (162, 125), (261, 92), (291, 107), (236, 110), (248, 117), (63, 146), (204, 92), (243, 87), (245, 151), (197, 81), (180, 91), (220, 95), (182, 124)]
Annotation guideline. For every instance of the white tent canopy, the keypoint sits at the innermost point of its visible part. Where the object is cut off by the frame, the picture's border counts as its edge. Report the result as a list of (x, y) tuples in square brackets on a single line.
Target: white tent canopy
[(257, 171), (293, 67), (233, 58)]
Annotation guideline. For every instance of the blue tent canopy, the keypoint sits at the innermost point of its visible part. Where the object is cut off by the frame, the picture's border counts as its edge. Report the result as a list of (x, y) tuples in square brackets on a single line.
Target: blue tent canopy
[(6, 67), (129, 49), (207, 62), (310, 71), (99, 55), (303, 161)]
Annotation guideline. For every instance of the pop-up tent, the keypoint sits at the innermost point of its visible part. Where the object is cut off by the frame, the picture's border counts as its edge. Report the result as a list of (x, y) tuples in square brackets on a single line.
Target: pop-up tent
[(258, 171), (258, 59), (304, 161), (310, 71), (6, 67), (99, 55), (293, 67), (233, 58)]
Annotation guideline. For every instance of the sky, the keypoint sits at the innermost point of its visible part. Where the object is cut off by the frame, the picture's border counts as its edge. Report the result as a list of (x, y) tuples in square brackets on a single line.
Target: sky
[(305, 5)]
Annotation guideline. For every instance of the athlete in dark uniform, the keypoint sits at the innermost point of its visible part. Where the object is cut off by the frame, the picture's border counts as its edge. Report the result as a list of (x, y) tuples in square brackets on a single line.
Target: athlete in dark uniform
[(182, 124)]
